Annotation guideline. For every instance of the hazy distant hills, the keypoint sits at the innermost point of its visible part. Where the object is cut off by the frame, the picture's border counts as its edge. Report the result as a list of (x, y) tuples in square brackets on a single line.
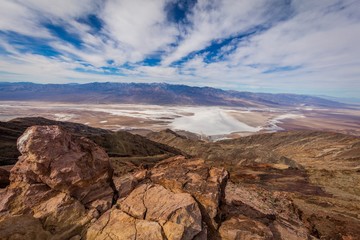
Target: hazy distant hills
[(153, 93)]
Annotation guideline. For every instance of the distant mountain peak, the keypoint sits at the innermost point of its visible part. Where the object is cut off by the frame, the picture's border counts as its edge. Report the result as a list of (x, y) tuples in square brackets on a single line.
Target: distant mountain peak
[(154, 93)]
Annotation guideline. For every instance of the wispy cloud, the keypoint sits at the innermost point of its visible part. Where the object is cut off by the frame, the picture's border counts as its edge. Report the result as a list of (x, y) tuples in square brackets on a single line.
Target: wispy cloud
[(278, 45)]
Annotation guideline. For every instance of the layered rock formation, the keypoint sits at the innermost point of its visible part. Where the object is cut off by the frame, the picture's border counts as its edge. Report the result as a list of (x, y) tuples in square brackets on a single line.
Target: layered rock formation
[(317, 171), (63, 187), (60, 180), (150, 212), (193, 176), (4, 178), (68, 164)]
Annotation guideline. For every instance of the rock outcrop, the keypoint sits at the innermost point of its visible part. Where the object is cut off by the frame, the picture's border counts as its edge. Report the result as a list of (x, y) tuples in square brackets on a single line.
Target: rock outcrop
[(62, 187), (256, 213), (150, 212), (192, 176), (62, 180), (4, 178), (65, 163), (23, 227), (242, 227)]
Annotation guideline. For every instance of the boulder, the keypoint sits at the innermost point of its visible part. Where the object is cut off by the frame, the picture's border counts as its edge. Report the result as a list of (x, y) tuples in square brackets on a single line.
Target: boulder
[(117, 225), (175, 211), (206, 184), (134, 203), (150, 212), (62, 215), (60, 184), (70, 164), (59, 214)]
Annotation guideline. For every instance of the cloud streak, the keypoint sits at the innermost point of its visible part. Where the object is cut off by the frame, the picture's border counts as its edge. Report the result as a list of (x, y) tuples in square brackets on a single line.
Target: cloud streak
[(277, 46)]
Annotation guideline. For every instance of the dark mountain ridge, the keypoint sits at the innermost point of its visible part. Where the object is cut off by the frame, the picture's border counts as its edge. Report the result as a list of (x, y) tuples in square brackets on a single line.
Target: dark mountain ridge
[(153, 93), (116, 144)]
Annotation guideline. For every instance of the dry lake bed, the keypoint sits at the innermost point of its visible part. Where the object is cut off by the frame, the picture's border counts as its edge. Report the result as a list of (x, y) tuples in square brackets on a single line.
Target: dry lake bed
[(217, 122)]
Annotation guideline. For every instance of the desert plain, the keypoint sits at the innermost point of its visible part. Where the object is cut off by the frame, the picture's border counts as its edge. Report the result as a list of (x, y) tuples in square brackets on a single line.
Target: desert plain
[(215, 122)]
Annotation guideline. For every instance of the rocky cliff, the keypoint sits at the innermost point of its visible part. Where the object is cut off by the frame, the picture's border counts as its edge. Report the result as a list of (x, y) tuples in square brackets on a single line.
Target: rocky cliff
[(64, 187)]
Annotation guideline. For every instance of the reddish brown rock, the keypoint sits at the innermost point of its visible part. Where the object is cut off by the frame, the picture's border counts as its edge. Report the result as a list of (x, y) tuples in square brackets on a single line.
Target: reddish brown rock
[(63, 182), (6, 198), (125, 184), (66, 163), (243, 228), (204, 234), (22, 228), (205, 184), (61, 189), (271, 208), (117, 225), (59, 214), (178, 210), (4, 178), (134, 203), (150, 212)]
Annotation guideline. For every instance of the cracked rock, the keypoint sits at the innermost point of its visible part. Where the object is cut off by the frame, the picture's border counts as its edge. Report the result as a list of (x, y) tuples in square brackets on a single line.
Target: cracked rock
[(152, 212)]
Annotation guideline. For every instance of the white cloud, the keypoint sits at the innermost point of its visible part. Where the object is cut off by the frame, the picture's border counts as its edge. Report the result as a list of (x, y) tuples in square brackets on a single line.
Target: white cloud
[(318, 39), (64, 9), (157, 71), (213, 20), (140, 27), (17, 18)]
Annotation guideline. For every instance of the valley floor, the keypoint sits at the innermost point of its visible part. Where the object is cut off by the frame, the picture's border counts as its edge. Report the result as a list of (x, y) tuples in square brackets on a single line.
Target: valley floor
[(216, 122)]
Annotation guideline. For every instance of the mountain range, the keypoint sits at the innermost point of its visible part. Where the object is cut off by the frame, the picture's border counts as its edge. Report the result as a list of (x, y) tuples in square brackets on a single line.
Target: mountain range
[(153, 93)]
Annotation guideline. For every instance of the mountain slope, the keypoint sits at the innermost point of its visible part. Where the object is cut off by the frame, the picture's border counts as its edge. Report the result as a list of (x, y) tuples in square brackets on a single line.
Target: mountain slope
[(116, 144), (286, 185), (318, 170), (154, 93), (309, 149)]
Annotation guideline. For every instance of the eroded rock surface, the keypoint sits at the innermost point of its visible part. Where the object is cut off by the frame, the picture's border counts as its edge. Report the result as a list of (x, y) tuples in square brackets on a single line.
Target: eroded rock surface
[(150, 212), (60, 180), (243, 228), (62, 188), (205, 183), (22, 227), (4, 178), (69, 164), (258, 207), (116, 224)]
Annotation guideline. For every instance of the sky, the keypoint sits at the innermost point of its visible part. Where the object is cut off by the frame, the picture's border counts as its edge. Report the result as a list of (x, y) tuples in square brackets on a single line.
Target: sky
[(294, 46)]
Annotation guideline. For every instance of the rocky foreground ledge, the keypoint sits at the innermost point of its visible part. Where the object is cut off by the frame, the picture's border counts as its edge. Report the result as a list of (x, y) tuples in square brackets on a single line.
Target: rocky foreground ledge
[(63, 187)]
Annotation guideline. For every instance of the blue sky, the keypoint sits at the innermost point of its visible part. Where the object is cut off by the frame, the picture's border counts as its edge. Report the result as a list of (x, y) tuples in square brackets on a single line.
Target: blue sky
[(295, 46)]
